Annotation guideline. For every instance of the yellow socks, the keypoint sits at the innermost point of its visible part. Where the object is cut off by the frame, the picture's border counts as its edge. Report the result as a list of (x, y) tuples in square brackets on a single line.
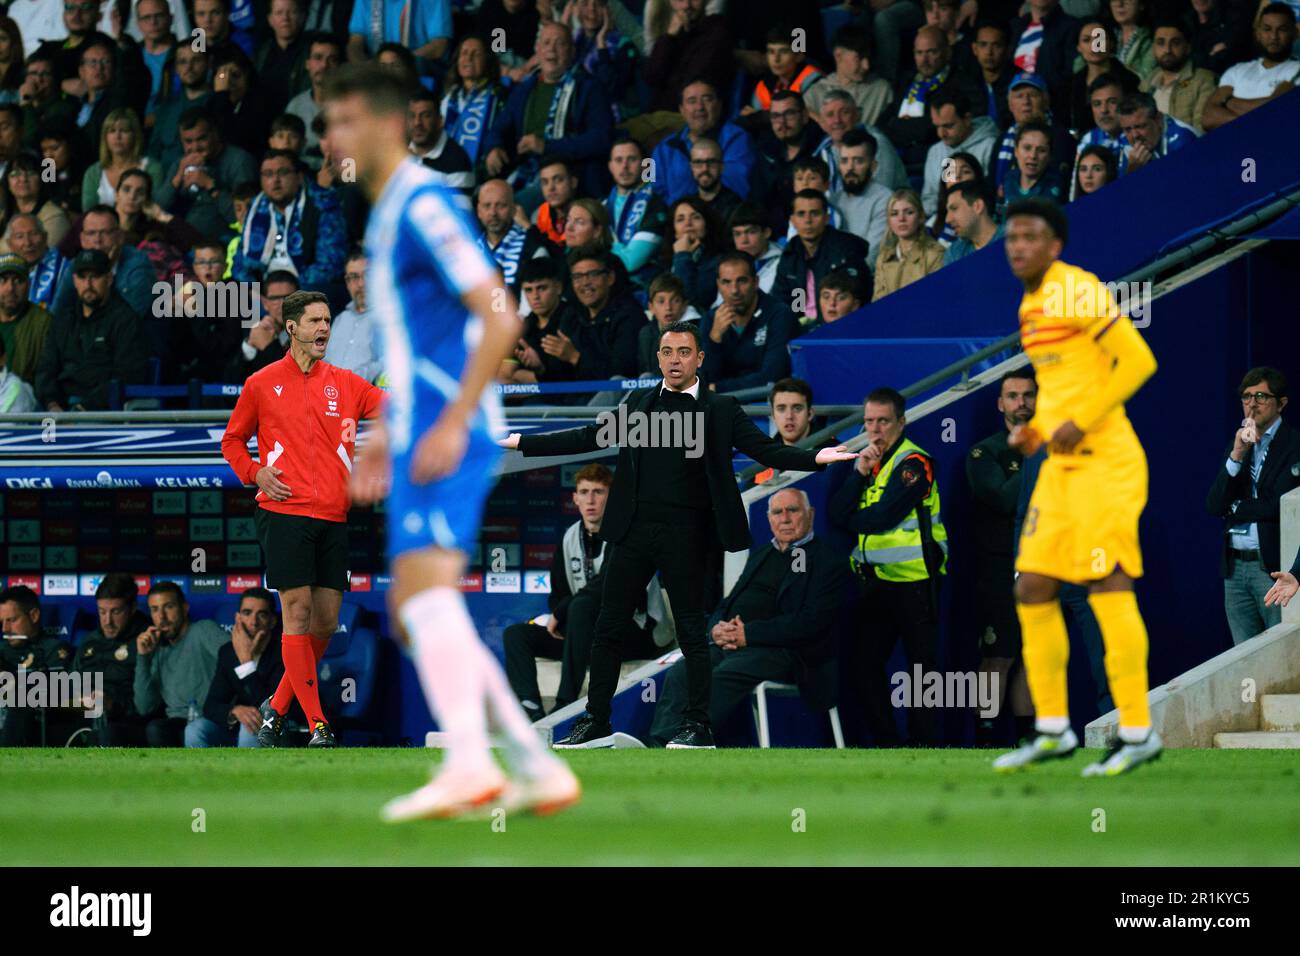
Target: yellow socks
[(1046, 651), (1125, 636)]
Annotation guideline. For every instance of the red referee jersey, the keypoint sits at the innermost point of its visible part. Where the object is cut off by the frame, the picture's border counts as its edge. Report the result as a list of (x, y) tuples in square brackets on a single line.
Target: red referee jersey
[(306, 426)]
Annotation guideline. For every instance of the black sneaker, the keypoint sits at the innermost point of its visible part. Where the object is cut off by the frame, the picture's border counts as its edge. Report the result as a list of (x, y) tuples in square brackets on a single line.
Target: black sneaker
[(322, 736), (587, 734), (272, 730), (691, 736)]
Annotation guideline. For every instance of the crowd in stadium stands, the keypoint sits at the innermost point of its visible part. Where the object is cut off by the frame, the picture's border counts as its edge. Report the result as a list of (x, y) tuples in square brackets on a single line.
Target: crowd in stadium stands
[(851, 146)]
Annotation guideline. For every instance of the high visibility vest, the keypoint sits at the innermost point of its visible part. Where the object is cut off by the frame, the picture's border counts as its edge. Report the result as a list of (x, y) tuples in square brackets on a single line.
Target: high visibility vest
[(896, 555), (765, 95)]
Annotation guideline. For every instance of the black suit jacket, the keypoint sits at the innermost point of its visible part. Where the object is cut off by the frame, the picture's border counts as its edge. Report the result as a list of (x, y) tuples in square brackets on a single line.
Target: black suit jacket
[(726, 426), (228, 689), (1280, 474)]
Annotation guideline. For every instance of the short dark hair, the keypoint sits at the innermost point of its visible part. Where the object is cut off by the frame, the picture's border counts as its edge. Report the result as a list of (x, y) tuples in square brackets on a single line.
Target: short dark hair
[(887, 396), (384, 91), (315, 37), (736, 255), (358, 251), (15, 110), (624, 138), (1044, 209), (591, 252), (1138, 102), (422, 95), (860, 137), (810, 194), (295, 304), (245, 191), (690, 328), (594, 472), (1265, 373), (1278, 9), (260, 594), (665, 282), (990, 24), (1025, 372), (550, 159), (21, 595), (841, 280), (101, 209), (1033, 126), (791, 384), (281, 275), (1103, 81), (288, 123), (972, 190), (946, 96), (1172, 23), (118, 586), (167, 587), (748, 214), (780, 96), (851, 37), (291, 156), (814, 164), (193, 116), (539, 269), (94, 40)]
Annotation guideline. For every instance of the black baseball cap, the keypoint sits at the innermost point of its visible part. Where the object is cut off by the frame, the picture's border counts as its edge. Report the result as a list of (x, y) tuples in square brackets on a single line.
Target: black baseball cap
[(92, 261)]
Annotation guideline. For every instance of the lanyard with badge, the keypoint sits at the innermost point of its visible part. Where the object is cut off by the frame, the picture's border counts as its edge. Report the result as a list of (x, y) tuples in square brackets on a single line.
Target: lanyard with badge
[(1258, 453)]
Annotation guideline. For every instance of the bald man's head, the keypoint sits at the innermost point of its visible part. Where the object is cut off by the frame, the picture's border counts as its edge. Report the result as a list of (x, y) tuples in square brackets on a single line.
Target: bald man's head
[(495, 207), (930, 50)]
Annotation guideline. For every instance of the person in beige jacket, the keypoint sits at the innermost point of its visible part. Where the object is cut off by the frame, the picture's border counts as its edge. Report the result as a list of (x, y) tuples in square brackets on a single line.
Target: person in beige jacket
[(1180, 88), (908, 252)]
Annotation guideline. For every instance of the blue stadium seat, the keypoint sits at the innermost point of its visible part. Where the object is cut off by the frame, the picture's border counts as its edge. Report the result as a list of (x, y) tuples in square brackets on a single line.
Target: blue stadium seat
[(353, 653)]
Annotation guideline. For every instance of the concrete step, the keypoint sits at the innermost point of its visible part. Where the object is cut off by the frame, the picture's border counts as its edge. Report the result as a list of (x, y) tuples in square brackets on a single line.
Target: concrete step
[(1258, 740), (1279, 712)]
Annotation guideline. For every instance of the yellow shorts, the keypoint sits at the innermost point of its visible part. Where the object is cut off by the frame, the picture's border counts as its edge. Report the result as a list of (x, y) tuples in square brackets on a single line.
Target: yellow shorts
[(1082, 520)]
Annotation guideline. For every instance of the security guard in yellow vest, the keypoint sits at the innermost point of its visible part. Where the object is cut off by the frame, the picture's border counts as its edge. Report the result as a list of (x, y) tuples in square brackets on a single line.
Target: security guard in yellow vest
[(891, 502)]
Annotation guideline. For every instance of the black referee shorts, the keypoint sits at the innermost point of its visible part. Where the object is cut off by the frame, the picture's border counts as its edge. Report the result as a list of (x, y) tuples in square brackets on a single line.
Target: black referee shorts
[(302, 551)]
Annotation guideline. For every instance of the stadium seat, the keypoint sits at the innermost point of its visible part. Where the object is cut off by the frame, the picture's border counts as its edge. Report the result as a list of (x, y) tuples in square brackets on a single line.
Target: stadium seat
[(353, 653), (759, 703)]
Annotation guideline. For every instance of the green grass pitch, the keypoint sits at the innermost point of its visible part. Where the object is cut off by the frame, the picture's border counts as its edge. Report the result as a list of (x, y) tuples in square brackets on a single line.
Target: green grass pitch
[(646, 807)]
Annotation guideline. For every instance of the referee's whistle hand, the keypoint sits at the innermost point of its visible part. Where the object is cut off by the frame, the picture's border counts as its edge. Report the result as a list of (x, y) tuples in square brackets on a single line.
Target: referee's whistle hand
[(271, 485)]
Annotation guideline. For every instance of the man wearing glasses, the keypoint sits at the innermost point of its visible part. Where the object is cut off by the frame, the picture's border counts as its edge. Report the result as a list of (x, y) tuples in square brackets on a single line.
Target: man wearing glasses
[(1263, 464), (706, 170)]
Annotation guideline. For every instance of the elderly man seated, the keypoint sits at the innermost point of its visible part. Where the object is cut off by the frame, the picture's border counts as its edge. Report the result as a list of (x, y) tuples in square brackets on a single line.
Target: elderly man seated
[(777, 624)]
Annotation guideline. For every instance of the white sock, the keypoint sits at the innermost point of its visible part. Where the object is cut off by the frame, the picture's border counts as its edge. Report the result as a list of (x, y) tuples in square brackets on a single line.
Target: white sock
[(525, 752), (1134, 735), (445, 653), (1052, 725)]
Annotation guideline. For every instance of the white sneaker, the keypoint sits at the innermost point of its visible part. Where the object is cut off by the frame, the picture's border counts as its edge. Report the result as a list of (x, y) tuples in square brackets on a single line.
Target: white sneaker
[(553, 791), (1042, 748), (450, 794), (1123, 757)]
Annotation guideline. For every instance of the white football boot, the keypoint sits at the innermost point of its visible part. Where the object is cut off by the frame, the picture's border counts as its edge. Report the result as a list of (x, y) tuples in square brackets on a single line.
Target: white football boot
[(1042, 748)]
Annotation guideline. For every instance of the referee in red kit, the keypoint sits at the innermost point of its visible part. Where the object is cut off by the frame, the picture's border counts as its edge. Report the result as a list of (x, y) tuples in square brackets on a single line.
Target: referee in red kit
[(305, 413)]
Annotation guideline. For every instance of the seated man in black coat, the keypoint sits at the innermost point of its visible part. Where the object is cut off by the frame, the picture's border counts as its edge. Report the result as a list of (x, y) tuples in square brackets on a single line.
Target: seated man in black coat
[(777, 624)]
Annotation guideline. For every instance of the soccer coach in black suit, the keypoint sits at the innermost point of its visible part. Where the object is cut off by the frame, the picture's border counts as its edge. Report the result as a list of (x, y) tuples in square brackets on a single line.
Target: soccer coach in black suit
[(669, 507)]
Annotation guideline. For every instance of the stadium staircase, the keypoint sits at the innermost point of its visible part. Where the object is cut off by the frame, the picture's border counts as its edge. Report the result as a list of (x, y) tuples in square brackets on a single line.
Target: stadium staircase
[(1279, 726)]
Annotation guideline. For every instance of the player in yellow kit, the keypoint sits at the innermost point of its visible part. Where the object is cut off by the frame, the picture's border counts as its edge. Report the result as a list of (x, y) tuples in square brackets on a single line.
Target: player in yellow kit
[(1082, 522)]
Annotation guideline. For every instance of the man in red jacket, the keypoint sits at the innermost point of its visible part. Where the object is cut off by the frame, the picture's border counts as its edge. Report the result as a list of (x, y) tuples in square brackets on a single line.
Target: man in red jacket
[(305, 412)]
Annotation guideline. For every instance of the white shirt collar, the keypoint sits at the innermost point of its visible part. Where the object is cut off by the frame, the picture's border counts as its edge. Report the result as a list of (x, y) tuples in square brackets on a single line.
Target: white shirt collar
[(693, 391)]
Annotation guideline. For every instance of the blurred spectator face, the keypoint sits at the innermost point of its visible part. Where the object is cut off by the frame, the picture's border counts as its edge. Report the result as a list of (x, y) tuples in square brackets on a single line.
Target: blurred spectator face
[(281, 180), (211, 17), (1031, 154), (990, 48), (423, 124), (16, 626), (788, 516), (904, 219), (1124, 12), (942, 15), (856, 166), (209, 264), (236, 79), (591, 15), (579, 227), (1017, 399), (738, 286), (590, 498), (952, 127), (782, 60), (391, 61), (554, 51), (1105, 108), (838, 117), (92, 288), (850, 64), (1027, 103), (688, 222), (496, 207), (286, 139), (792, 414), (58, 150), (257, 615), (543, 296), (700, 108), (592, 281), (24, 184), (191, 67), (114, 614), (881, 425), (120, 138), (101, 231), (752, 240), (1143, 128), (625, 165), (13, 292), (285, 20), (322, 58), (690, 10), (1093, 174), (96, 69), (962, 217), (1275, 34), (40, 75), (354, 277), (273, 301), (80, 16), (809, 218), (667, 308), (788, 119), (169, 614), (558, 185), (957, 170), (809, 179), (706, 166), (27, 238), (155, 19), (833, 304), (199, 141), (132, 195), (1094, 44), (1171, 49), (1204, 8), (11, 135), (930, 51), (471, 62)]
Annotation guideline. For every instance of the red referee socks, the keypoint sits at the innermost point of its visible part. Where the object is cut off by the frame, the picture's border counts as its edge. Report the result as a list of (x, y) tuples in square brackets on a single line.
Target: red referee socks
[(301, 653)]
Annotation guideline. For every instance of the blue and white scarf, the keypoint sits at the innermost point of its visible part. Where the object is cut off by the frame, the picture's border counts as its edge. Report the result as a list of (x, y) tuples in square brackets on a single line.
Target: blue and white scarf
[(377, 24), (45, 276), (557, 120), (468, 115), (263, 223), (634, 206), (508, 251)]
